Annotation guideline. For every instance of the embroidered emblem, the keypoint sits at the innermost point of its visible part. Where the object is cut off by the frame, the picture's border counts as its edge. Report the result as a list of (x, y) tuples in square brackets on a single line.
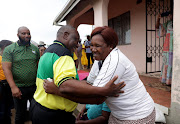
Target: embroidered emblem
[(33, 51)]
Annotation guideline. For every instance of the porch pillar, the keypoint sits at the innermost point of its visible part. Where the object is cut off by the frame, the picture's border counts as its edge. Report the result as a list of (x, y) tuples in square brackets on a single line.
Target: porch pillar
[(174, 115), (100, 12)]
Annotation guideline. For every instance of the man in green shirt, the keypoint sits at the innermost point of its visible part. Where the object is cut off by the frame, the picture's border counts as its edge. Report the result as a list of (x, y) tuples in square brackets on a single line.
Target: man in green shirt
[(19, 62)]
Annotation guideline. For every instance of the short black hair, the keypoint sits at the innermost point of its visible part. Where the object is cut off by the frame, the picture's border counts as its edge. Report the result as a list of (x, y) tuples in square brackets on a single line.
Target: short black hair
[(4, 43)]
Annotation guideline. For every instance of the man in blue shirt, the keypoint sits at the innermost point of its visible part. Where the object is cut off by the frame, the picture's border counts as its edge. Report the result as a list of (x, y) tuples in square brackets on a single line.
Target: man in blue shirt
[(88, 51)]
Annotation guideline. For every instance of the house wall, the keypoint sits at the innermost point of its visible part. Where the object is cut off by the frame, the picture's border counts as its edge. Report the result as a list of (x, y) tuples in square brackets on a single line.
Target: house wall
[(136, 51), (174, 115), (87, 18)]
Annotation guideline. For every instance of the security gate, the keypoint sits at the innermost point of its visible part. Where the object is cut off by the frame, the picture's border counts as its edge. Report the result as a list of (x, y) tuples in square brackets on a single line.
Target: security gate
[(154, 44)]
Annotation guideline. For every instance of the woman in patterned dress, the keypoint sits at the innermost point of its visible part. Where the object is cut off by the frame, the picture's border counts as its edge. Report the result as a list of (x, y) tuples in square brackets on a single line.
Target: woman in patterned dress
[(166, 69)]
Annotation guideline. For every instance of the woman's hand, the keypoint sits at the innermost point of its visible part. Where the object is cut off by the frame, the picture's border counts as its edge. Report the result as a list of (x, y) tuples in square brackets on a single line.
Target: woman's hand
[(50, 87), (80, 114)]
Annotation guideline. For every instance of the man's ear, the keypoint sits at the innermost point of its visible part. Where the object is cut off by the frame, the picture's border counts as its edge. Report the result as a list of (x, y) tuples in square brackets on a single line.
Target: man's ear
[(65, 35)]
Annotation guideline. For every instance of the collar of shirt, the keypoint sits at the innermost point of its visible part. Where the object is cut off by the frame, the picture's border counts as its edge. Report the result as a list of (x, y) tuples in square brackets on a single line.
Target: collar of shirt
[(58, 42), (100, 64)]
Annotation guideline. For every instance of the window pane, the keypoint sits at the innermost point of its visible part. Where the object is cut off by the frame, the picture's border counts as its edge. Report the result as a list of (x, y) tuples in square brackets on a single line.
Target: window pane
[(121, 25)]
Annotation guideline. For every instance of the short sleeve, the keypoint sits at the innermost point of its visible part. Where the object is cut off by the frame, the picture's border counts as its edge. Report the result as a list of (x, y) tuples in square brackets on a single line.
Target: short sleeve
[(64, 69), (93, 73), (87, 43), (7, 55), (105, 107)]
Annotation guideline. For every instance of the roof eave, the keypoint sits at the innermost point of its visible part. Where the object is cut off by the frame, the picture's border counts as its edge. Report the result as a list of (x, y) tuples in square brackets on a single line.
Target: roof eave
[(65, 11)]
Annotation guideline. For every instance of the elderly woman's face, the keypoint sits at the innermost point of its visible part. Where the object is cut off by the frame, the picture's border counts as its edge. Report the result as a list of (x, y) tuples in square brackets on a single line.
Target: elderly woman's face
[(99, 48)]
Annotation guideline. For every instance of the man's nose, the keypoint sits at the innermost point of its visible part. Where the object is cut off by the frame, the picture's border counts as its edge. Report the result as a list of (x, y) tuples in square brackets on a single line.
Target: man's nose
[(27, 35), (92, 48)]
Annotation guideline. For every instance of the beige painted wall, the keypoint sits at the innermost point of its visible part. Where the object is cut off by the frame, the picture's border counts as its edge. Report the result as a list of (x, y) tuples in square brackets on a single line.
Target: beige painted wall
[(176, 54), (136, 51), (174, 115), (100, 12)]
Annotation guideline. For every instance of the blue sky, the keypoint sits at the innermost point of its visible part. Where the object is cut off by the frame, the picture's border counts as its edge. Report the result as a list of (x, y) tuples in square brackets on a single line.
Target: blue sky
[(37, 15)]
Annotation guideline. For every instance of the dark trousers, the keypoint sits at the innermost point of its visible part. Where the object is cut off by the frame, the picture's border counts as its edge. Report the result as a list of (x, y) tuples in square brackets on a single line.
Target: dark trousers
[(21, 104), (6, 102), (43, 115), (89, 55)]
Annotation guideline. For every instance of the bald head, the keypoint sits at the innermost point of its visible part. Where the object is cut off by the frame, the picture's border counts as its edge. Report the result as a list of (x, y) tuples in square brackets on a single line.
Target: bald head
[(69, 36), (24, 35), (66, 28), (22, 28)]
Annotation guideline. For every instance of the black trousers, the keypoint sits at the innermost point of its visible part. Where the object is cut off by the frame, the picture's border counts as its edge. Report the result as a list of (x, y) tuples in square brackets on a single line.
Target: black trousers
[(20, 105), (89, 55), (6, 102), (43, 115)]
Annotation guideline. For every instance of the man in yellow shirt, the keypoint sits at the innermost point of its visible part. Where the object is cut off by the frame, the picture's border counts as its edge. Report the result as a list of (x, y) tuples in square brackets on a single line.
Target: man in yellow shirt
[(58, 64)]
